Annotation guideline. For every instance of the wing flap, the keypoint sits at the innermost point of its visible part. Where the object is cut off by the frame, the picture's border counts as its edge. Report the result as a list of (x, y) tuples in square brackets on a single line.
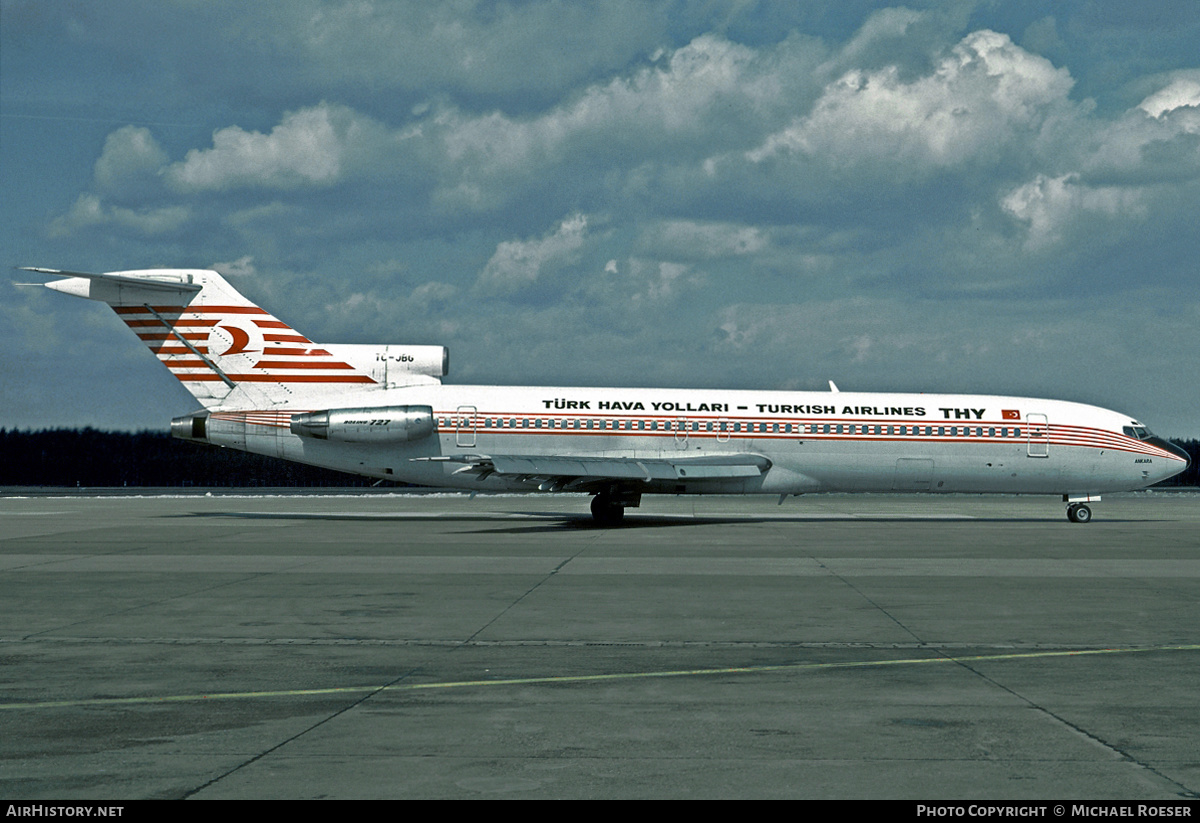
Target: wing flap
[(641, 469)]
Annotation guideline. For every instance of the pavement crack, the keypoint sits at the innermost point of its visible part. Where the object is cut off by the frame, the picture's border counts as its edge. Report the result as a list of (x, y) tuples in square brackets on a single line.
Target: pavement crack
[(1181, 789), (516, 602), (846, 582), (348, 707)]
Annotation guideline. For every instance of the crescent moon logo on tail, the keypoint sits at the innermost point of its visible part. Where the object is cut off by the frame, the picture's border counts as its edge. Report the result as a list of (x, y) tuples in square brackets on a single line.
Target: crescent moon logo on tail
[(240, 340)]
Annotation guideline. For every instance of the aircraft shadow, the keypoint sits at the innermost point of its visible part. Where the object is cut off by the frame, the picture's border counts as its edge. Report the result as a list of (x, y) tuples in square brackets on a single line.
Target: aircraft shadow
[(525, 522), (558, 522)]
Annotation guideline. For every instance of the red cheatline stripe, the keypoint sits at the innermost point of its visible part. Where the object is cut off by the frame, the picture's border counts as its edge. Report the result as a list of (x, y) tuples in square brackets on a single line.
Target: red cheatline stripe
[(257, 416), (271, 324), (1057, 436), (1011, 440), (285, 338)]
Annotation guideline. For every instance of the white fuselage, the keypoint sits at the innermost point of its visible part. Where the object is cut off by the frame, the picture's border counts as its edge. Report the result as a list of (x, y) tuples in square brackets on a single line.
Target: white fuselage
[(814, 441)]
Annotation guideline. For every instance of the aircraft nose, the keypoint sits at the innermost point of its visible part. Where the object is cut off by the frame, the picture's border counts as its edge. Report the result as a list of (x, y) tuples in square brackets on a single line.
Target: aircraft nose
[(1167, 445)]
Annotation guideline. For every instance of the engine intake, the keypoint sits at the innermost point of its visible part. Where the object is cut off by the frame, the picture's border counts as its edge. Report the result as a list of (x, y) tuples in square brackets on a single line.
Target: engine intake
[(372, 424)]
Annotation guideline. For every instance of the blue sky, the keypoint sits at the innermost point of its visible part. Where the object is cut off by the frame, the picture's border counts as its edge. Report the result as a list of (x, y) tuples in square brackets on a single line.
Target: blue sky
[(993, 197)]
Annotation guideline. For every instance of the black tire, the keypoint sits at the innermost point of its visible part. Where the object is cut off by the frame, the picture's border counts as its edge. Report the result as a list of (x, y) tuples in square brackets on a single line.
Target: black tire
[(1079, 513), (605, 512)]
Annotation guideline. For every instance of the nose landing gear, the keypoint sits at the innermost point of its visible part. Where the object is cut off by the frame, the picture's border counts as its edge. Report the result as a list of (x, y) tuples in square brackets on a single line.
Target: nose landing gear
[(1079, 513), (1077, 508)]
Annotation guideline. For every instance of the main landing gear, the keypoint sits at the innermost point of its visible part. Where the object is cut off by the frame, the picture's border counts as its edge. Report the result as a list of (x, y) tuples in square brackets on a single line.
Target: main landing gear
[(608, 507), (605, 512), (1079, 513)]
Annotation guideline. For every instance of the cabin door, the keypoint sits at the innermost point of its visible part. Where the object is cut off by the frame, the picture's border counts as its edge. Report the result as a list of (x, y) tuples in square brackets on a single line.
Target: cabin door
[(1039, 435), (465, 426), (681, 433)]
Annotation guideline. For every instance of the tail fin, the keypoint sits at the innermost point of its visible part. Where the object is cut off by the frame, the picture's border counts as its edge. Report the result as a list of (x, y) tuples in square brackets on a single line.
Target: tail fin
[(227, 352)]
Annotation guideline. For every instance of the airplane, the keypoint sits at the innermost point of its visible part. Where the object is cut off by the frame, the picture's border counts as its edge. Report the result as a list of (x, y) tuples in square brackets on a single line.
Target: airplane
[(384, 412)]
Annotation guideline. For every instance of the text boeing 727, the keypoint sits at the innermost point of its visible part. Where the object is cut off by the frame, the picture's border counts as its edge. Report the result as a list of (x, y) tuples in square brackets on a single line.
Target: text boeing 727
[(382, 411)]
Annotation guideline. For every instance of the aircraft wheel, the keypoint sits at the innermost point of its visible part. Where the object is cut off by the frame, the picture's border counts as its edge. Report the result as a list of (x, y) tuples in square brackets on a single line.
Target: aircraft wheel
[(605, 512), (1079, 513)]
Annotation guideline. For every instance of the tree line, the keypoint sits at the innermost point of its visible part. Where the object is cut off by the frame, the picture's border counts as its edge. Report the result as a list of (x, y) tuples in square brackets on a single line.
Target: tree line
[(89, 457)]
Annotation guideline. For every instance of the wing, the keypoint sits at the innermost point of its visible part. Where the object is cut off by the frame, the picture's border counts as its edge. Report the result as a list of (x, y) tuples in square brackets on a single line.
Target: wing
[(581, 472)]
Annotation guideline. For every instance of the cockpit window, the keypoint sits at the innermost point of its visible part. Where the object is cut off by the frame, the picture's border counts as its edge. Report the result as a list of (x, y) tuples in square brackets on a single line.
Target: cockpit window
[(1140, 432)]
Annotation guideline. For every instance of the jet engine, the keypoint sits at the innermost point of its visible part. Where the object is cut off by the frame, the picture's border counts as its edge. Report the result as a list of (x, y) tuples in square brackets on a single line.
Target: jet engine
[(372, 424)]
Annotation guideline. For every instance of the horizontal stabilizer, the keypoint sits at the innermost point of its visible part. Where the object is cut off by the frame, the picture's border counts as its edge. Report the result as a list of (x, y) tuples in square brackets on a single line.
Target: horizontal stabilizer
[(171, 283)]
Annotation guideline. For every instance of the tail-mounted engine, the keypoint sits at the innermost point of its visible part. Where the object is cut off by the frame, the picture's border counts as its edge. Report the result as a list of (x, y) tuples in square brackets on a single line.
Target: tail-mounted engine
[(376, 424)]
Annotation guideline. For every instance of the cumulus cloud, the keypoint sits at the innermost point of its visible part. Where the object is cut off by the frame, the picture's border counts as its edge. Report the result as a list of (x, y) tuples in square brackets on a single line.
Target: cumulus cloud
[(1049, 205), (90, 212), (130, 164), (520, 263), (701, 96), (309, 148), (980, 96), (1183, 91)]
